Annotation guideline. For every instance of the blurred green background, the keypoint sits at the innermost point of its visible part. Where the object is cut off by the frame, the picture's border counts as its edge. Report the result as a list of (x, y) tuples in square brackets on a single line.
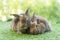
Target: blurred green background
[(49, 9)]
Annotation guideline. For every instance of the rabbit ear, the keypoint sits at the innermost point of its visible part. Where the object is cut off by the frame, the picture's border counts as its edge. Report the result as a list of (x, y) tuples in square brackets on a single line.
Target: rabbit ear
[(27, 12), (34, 15), (15, 15)]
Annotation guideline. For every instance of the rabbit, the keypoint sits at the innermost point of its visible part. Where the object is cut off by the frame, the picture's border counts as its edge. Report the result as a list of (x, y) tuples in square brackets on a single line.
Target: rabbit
[(36, 28), (39, 25), (43, 20), (23, 27)]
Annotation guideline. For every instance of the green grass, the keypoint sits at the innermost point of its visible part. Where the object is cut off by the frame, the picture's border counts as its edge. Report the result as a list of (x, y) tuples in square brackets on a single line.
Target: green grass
[(7, 34)]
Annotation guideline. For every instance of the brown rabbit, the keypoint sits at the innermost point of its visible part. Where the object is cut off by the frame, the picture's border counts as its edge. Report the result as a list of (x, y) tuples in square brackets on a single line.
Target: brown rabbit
[(36, 28), (22, 28), (39, 24)]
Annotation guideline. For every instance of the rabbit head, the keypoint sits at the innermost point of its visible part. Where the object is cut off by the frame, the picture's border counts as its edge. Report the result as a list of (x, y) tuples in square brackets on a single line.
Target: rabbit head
[(33, 23)]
